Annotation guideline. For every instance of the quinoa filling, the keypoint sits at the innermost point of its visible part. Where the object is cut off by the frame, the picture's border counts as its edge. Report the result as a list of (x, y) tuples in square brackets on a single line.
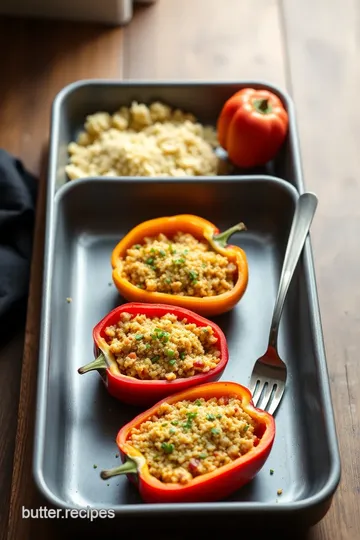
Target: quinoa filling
[(191, 438), (182, 265), (162, 347)]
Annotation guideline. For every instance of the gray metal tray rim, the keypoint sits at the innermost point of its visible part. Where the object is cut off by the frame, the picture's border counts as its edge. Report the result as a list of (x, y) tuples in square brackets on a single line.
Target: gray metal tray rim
[(189, 508), (333, 479), (184, 180), (169, 82)]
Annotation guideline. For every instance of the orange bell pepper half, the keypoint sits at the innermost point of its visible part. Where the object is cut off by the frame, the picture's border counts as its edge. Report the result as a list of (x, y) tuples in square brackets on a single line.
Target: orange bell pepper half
[(212, 486), (201, 229)]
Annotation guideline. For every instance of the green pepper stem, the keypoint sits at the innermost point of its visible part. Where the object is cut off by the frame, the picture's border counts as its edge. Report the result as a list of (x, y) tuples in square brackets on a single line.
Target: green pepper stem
[(98, 363), (128, 467), (262, 105), (222, 238)]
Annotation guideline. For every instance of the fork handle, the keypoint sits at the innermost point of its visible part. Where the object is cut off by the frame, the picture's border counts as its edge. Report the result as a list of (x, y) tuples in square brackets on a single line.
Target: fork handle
[(303, 216)]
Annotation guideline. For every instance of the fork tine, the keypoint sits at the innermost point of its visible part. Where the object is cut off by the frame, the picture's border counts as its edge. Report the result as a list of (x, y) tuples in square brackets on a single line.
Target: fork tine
[(255, 387), (264, 398), (277, 398)]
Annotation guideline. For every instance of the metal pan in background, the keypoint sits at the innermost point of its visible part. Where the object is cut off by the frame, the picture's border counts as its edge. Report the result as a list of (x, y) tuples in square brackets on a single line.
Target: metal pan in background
[(204, 99), (77, 421)]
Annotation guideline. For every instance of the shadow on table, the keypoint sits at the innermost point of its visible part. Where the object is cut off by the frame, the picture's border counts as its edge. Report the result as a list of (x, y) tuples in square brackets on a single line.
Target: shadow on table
[(177, 529), (173, 527)]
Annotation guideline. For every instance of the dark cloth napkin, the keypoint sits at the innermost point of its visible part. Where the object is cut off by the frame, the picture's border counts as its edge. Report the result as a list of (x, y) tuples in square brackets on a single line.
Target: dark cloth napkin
[(18, 193)]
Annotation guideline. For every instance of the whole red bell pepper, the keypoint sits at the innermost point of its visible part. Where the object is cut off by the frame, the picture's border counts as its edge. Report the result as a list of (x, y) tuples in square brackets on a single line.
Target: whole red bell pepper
[(212, 486), (146, 392), (252, 127)]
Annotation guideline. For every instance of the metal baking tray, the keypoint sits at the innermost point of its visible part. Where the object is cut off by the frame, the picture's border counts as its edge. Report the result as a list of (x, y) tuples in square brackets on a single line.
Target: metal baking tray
[(203, 98), (77, 421)]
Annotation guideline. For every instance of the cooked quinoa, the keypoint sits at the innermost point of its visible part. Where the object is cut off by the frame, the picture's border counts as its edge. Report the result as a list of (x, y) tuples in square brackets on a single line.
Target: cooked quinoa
[(143, 140), (162, 348), (181, 265), (192, 438)]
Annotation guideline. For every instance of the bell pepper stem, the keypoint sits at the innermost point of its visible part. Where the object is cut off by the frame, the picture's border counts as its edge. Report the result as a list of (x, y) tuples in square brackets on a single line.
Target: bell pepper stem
[(128, 467), (222, 238), (262, 105), (98, 363)]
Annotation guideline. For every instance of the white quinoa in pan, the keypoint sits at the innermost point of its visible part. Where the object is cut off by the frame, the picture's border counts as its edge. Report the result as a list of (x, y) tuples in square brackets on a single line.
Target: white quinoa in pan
[(142, 140), (191, 438), (162, 348), (182, 265)]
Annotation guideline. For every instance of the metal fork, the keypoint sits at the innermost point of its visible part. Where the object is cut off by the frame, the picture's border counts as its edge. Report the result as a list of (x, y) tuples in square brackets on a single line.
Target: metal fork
[(267, 381)]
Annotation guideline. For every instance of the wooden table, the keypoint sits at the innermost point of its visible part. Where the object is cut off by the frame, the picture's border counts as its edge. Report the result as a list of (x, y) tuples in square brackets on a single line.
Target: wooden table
[(312, 49)]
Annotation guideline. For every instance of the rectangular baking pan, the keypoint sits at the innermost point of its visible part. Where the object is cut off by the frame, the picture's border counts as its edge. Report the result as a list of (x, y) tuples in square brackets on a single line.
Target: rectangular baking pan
[(77, 421), (202, 98)]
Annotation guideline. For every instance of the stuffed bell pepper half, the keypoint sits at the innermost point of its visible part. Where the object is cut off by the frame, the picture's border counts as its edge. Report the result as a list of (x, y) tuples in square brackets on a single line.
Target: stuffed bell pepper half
[(145, 352)]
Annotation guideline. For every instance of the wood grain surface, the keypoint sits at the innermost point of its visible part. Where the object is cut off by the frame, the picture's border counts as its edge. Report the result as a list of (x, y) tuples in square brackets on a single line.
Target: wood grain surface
[(289, 43), (325, 72)]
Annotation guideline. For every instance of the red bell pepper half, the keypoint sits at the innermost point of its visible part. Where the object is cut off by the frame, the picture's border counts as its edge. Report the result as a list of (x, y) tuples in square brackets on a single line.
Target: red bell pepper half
[(146, 392), (212, 486)]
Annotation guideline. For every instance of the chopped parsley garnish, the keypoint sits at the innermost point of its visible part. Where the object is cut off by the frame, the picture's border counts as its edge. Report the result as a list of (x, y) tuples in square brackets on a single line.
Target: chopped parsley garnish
[(202, 456), (168, 281), (167, 447), (172, 431), (160, 334), (150, 261), (193, 275), (164, 424), (271, 471), (182, 357), (140, 286), (190, 417), (155, 359), (147, 346), (162, 252), (175, 423), (246, 428), (186, 251), (210, 417), (198, 402), (152, 250), (219, 416), (139, 336), (215, 431), (179, 261), (170, 353), (137, 246), (172, 362), (203, 265)]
